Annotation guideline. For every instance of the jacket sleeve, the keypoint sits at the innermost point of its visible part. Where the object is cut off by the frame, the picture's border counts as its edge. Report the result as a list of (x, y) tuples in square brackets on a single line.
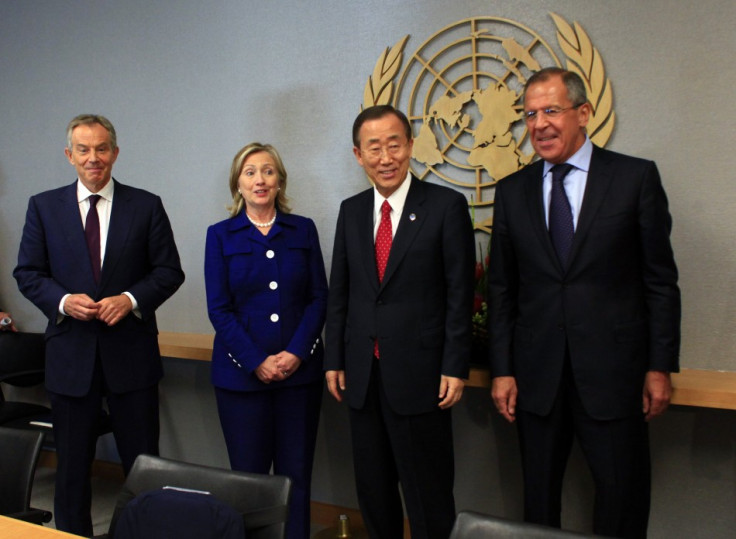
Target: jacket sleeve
[(337, 303), (221, 309), (659, 274), (502, 291), (459, 262), (33, 272), (164, 275)]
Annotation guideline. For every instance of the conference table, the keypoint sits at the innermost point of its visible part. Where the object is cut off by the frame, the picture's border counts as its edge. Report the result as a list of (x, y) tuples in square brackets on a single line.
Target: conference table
[(11, 528)]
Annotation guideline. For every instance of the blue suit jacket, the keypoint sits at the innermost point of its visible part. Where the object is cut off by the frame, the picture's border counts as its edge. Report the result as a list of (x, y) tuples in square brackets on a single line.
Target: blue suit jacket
[(615, 308), (140, 258), (264, 295)]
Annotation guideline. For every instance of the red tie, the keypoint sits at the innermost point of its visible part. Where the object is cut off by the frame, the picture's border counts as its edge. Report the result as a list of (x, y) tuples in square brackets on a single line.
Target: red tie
[(384, 237), (92, 234)]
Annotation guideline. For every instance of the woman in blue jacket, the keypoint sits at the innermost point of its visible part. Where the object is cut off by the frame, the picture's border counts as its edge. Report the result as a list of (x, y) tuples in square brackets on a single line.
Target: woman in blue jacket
[(266, 298)]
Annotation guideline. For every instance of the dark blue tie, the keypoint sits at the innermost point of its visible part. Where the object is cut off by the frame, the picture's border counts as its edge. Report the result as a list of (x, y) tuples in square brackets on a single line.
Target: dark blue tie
[(92, 235), (561, 227)]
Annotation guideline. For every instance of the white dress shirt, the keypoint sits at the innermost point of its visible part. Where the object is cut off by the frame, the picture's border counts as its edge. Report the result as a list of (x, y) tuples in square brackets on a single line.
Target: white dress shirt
[(396, 200), (104, 207)]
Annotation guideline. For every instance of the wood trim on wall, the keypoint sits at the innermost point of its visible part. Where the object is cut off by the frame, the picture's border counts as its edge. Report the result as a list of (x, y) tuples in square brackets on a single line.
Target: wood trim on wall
[(691, 387)]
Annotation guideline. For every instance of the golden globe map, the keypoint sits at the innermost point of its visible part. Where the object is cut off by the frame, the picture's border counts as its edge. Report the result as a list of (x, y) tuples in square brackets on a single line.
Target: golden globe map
[(461, 90)]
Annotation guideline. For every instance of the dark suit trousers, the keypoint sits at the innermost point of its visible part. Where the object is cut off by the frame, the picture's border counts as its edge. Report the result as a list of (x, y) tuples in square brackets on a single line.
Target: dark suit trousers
[(135, 424), (617, 452), (414, 450)]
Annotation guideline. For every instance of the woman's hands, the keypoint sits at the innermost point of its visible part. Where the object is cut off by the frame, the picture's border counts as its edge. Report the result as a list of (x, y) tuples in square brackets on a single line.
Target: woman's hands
[(278, 367)]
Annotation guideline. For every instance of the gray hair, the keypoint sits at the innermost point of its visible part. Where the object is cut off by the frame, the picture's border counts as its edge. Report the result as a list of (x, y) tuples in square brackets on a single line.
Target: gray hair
[(574, 84), (88, 119)]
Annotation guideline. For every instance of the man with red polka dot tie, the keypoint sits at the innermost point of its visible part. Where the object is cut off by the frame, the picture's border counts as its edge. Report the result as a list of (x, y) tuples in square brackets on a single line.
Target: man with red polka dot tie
[(398, 330)]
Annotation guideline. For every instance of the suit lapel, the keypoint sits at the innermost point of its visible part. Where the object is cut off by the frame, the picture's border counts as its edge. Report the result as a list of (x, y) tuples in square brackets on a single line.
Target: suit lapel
[(411, 221), (364, 220), (535, 204), (121, 217), (70, 221), (596, 187)]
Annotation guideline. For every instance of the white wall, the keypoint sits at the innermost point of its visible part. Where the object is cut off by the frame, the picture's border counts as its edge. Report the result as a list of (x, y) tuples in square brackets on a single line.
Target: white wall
[(187, 83)]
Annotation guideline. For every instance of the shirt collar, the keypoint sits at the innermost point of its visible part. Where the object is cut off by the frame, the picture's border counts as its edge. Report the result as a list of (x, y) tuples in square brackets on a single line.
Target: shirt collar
[(106, 192), (395, 199), (580, 159)]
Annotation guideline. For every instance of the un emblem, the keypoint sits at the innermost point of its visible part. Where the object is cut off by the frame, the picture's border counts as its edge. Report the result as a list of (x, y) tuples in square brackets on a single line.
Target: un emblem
[(461, 90)]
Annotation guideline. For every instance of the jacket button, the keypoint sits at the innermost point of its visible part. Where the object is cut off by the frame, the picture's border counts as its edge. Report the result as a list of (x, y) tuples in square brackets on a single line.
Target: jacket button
[(273, 285), (274, 317), (270, 253)]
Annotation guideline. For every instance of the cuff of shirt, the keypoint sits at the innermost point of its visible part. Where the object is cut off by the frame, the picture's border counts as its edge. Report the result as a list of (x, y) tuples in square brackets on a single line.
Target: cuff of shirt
[(62, 312), (136, 312)]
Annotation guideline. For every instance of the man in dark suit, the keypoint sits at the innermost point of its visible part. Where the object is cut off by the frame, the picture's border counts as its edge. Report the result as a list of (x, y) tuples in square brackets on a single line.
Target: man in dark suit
[(398, 330), (100, 296), (584, 310)]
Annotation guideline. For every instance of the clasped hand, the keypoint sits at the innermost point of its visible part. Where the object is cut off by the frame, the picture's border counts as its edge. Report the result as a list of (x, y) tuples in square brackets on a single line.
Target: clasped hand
[(277, 367), (109, 310)]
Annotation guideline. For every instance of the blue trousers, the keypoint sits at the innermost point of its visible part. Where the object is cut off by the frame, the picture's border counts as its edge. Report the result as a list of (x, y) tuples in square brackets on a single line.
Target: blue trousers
[(275, 427)]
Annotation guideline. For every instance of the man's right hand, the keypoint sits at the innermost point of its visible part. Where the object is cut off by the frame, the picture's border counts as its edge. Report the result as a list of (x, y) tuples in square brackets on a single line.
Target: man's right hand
[(81, 307), (503, 392), (335, 383)]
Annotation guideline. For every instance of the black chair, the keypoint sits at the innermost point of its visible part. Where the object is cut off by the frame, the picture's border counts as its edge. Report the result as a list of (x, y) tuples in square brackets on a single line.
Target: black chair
[(22, 364), (22, 357), (19, 451), (472, 525), (263, 500)]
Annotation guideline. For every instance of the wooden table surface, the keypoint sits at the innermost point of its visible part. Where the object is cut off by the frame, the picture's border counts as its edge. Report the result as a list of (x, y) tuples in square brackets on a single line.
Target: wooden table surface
[(11, 528)]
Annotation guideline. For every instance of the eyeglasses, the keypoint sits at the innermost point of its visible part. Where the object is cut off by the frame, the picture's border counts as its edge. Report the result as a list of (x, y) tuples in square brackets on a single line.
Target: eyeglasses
[(549, 112), (393, 149)]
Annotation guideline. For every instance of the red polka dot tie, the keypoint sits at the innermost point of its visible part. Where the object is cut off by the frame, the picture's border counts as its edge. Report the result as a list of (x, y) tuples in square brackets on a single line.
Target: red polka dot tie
[(384, 237)]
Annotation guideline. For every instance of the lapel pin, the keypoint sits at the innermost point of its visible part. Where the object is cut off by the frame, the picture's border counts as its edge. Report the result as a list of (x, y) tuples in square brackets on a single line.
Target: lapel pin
[(412, 217)]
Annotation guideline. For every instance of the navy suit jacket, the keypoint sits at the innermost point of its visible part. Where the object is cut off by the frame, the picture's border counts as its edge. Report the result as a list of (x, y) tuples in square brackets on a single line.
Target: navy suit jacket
[(140, 258), (265, 295), (421, 311), (616, 306)]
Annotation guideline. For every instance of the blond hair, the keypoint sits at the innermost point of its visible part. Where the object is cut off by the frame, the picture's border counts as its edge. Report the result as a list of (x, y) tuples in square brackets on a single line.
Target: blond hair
[(282, 202)]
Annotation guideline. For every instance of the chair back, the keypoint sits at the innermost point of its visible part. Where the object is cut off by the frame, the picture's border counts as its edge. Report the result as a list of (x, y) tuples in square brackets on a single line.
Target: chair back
[(23, 364), (472, 525), (22, 358), (263, 500), (19, 451)]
